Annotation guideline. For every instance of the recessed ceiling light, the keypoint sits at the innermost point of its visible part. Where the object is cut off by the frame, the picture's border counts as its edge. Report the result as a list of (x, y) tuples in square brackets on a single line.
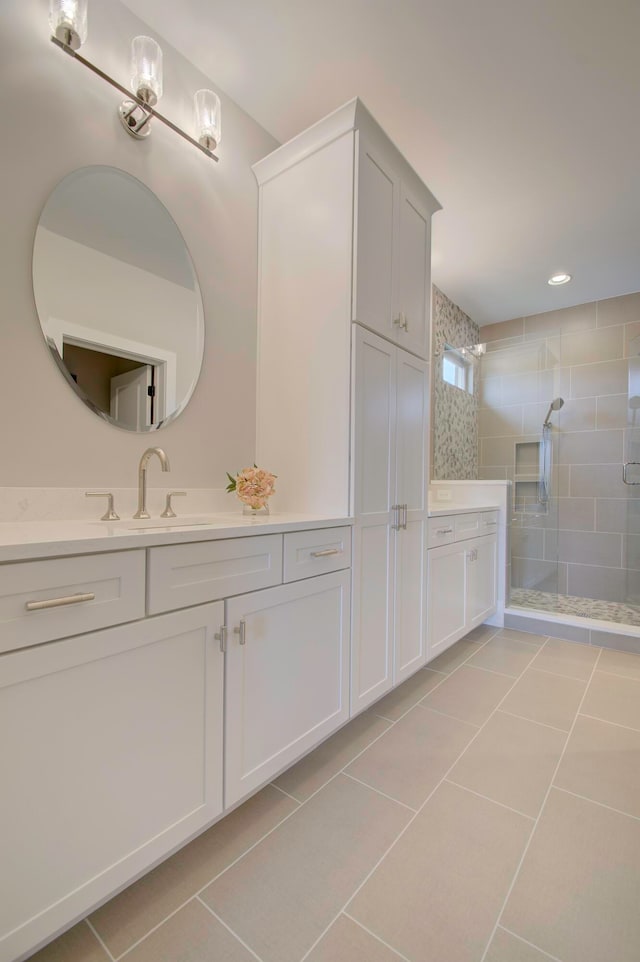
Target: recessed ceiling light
[(560, 278)]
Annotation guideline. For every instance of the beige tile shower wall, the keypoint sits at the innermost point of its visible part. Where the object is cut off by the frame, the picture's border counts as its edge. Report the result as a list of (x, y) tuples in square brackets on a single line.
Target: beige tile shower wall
[(586, 540), (454, 431)]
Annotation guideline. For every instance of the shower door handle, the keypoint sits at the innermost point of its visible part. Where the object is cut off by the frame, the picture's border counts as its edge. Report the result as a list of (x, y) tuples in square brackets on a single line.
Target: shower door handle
[(624, 471)]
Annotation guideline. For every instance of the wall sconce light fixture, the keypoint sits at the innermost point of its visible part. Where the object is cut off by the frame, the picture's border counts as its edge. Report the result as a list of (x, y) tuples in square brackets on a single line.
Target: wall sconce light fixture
[(146, 81), (207, 118), (68, 22)]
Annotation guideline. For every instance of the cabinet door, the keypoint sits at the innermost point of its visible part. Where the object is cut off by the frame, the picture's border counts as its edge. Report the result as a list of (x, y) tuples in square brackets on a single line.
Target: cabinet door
[(414, 273), (481, 580), (111, 747), (287, 675), (446, 608), (378, 192), (374, 405), (412, 392)]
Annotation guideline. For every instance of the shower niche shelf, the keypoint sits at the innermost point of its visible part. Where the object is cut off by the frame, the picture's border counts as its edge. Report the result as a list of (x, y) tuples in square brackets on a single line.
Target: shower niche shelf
[(528, 460), (528, 478)]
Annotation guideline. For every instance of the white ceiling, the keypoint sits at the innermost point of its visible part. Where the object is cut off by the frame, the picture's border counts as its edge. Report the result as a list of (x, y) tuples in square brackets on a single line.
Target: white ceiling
[(522, 117)]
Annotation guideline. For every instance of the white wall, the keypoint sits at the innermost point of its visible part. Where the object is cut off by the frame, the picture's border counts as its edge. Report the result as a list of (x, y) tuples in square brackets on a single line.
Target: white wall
[(58, 117)]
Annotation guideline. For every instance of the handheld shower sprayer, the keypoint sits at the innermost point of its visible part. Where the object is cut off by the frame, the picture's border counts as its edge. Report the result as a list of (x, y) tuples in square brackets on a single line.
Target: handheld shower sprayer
[(555, 405)]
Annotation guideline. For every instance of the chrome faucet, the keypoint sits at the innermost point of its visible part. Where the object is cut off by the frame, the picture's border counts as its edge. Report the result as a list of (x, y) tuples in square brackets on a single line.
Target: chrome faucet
[(142, 479)]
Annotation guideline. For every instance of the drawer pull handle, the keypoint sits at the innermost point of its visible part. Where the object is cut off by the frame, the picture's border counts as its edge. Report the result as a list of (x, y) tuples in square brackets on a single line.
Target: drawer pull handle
[(242, 631), (444, 530), (59, 602), (325, 553), (490, 524)]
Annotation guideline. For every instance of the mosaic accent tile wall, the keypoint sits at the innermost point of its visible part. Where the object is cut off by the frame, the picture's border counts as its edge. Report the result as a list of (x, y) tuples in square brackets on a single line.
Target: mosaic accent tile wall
[(454, 431), (583, 542)]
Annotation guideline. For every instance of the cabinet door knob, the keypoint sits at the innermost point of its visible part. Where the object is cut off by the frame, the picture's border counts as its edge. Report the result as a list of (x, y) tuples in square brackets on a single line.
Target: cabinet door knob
[(221, 636), (241, 630), (401, 322)]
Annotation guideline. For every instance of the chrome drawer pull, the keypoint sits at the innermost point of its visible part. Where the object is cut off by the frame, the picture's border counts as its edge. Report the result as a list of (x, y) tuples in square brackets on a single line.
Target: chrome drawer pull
[(444, 530), (59, 602), (489, 524), (241, 630), (325, 553)]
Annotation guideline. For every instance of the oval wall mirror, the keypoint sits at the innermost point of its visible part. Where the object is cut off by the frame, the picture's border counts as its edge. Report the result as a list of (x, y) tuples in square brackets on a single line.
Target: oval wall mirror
[(118, 298)]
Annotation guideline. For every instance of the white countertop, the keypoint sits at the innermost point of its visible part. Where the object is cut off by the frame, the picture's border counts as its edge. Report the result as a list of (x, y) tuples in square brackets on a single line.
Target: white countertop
[(29, 540), (439, 508)]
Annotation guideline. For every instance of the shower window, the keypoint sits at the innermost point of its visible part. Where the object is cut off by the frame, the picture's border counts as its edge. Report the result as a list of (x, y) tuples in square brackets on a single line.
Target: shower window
[(457, 368)]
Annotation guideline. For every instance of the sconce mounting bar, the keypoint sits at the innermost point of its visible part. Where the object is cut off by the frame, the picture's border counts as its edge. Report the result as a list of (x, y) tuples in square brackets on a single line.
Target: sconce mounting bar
[(131, 96)]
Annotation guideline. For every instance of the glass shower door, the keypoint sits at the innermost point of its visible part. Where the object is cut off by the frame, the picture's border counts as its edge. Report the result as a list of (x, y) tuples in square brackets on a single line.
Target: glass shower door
[(631, 481), (518, 383)]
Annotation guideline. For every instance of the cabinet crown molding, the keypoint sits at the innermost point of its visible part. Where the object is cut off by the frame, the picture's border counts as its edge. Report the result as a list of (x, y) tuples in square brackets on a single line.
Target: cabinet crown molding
[(351, 116)]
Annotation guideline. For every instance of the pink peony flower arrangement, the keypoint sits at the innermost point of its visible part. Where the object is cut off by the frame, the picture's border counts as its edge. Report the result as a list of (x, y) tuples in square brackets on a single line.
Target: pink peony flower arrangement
[(253, 486)]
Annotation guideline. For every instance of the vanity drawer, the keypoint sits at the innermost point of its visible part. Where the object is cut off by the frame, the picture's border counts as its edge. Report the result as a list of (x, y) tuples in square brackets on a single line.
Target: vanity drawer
[(441, 531), (466, 526), (69, 596), (475, 524), (191, 574), (309, 553), (488, 522)]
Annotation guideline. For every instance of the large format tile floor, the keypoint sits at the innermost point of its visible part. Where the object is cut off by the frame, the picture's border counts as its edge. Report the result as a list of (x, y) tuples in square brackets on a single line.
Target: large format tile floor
[(488, 810)]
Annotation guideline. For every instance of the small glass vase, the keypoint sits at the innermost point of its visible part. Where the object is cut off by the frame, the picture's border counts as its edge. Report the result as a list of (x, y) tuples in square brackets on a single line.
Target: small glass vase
[(255, 512)]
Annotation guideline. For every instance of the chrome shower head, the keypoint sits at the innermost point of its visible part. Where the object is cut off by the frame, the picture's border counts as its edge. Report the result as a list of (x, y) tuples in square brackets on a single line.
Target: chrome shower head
[(555, 405)]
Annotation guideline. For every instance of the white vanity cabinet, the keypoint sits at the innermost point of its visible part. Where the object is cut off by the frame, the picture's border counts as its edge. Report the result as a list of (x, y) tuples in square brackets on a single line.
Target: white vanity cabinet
[(461, 577), (392, 277), (287, 676), (116, 744), (390, 464), (111, 748), (344, 235)]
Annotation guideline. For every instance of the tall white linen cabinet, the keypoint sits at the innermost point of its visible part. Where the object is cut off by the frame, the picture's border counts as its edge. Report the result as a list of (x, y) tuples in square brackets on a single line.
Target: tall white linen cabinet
[(343, 368)]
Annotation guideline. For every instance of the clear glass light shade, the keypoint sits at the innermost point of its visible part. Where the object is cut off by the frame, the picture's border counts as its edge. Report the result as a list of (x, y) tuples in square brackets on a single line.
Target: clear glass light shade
[(208, 118), (68, 21), (146, 69)]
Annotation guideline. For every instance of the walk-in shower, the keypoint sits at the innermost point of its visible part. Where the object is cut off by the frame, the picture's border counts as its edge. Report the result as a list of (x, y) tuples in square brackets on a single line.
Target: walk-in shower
[(558, 416)]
